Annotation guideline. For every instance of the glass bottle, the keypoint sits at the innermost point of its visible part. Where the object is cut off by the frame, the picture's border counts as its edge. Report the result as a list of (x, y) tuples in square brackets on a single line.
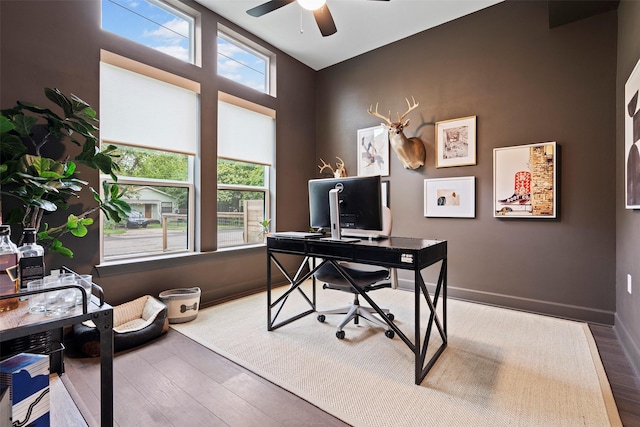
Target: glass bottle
[(30, 258), (8, 269)]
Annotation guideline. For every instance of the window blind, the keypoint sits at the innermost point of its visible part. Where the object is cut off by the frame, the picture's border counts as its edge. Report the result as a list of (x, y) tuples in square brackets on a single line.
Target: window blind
[(145, 112), (245, 135)]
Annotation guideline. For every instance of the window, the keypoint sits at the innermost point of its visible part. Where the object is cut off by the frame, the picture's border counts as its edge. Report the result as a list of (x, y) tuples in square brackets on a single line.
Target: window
[(152, 23), (242, 64), (156, 160), (246, 143)]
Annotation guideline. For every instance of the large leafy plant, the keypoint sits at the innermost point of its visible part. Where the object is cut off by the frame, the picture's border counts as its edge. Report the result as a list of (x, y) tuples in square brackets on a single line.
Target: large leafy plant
[(43, 185)]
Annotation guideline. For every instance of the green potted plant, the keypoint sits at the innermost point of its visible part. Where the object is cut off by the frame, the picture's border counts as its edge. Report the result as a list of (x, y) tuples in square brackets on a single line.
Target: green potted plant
[(39, 178), (265, 228), (265, 225)]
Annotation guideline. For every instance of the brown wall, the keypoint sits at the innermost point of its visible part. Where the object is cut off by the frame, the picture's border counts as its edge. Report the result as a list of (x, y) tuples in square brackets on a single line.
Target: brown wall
[(57, 44), (627, 324), (526, 83)]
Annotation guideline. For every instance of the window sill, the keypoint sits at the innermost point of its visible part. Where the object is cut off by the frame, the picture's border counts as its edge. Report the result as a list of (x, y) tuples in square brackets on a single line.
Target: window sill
[(135, 265)]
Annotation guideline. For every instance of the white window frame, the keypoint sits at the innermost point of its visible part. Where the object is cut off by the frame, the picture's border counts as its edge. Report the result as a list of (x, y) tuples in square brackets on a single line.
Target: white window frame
[(268, 189), (247, 45), (181, 11), (193, 159), (191, 246)]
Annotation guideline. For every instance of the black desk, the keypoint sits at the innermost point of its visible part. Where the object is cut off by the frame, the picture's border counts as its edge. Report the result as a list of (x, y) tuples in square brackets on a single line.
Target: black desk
[(394, 252), (19, 323)]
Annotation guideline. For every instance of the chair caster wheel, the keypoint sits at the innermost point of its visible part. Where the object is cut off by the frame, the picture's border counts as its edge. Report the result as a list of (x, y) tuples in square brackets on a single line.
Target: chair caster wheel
[(390, 316), (321, 318), (340, 335), (390, 334)]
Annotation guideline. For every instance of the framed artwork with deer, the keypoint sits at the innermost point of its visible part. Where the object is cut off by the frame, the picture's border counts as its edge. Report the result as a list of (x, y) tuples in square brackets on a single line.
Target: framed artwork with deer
[(373, 151), (525, 181), (456, 142)]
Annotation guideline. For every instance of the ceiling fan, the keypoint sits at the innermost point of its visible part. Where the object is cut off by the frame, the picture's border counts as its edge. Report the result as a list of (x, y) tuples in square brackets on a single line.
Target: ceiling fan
[(320, 12)]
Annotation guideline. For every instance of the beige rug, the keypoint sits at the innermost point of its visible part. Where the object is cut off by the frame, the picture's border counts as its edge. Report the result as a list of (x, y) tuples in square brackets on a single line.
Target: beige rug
[(501, 367)]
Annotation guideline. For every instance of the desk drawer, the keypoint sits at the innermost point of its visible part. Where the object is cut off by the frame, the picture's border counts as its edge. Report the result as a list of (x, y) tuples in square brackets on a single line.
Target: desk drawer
[(286, 245), (343, 251), (383, 257)]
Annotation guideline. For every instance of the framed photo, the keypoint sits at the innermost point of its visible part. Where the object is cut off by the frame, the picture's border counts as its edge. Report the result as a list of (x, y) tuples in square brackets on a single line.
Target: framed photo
[(632, 139), (525, 181), (373, 151), (450, 197), (456, 142)]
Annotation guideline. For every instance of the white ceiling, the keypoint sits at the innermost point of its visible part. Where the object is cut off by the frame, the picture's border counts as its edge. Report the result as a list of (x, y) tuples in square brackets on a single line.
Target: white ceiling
[(363, 25)]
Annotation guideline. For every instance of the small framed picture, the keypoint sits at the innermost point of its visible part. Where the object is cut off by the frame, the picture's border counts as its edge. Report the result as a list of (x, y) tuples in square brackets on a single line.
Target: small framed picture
[(450, 197), (524, 181), (456, 142), (373, 151)]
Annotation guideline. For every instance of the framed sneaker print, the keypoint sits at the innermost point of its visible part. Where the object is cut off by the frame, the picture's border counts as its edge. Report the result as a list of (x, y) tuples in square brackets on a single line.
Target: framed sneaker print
[(524, 181)]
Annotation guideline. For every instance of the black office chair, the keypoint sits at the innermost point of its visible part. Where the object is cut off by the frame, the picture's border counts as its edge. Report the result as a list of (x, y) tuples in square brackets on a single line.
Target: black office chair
[(367, 277)]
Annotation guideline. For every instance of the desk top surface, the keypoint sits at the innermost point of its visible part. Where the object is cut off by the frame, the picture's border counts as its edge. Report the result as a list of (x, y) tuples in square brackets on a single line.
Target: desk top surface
[(393, 242)]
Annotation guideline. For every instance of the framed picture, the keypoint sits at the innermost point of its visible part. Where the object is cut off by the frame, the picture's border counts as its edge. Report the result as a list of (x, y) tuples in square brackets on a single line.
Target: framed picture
[(456, 142), (632, 139), (373, 151), (525, 181), (450, 197)]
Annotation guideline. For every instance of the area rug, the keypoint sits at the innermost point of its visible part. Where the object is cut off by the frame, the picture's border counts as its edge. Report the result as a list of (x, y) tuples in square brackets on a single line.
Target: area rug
[(501, 367)]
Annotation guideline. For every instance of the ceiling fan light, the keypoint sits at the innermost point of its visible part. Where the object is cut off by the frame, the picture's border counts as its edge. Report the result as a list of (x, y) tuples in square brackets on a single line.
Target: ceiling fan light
[(312, 4)]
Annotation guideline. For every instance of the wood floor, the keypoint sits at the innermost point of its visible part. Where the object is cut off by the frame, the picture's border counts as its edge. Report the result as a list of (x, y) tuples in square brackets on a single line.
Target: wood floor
[(174, 381), (625, 384)]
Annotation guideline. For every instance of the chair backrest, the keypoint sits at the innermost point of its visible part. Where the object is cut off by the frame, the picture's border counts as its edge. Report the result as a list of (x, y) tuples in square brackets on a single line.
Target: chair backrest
[(387, 225), (387, 221)]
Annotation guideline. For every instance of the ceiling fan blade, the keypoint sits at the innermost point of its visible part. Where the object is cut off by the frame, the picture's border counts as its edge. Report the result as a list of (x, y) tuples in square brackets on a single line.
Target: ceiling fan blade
[(325, 21), (267, 7)]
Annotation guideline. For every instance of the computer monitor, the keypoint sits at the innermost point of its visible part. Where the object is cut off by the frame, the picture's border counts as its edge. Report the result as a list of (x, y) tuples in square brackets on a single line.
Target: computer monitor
[(350, 202)]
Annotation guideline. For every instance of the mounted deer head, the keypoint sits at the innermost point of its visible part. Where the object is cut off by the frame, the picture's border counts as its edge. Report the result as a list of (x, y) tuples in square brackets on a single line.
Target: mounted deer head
[(410, 151), (340, 170)]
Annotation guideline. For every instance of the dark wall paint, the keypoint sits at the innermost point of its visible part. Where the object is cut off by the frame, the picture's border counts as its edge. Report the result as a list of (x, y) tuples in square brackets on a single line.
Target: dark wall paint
[(526, 84), (36, 53), (627, 323), (57, 44)]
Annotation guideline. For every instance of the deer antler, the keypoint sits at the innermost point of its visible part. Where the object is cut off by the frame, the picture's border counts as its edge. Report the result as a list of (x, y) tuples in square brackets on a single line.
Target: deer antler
[(324, 166), (376, 114), (411, 108), (341, 170), (338, 172)]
